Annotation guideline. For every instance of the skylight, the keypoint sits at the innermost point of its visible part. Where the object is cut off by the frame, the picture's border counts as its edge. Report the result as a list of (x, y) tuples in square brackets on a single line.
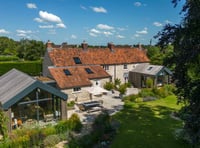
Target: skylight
[(67, 72), (150, 68), (88, 70), (77, 60)]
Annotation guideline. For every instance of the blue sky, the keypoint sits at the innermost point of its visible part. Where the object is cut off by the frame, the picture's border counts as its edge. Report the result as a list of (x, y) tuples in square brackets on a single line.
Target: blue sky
[(94, 21)]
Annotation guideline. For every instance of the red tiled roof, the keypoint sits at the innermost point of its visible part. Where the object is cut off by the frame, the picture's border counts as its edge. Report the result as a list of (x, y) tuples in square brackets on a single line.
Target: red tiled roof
[(97, 56), (79, 77)]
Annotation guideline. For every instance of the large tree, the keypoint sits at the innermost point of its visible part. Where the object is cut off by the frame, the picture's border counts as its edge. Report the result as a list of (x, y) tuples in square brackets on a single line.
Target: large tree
[(185, 37)]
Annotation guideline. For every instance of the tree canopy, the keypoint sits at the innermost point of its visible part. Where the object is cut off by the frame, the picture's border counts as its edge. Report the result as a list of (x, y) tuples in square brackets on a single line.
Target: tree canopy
[(24, 49), (185, 37)]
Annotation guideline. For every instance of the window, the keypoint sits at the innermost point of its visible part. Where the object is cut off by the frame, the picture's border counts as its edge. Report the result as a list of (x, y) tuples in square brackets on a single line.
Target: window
[(76, 89), (106, 67), (150, 68), (89, 71), (77, 60), (125, 66), (67, 72)]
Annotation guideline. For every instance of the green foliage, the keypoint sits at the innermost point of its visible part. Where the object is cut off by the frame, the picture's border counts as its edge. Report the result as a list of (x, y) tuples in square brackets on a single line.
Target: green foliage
[(122, 89), (117, 82), (185, 38), (149, 83), (32, 68), (3, 123), (74, 123), (100, 127), (108, 86), (51, 140), (9, 58), (71, 104), (61, 127)]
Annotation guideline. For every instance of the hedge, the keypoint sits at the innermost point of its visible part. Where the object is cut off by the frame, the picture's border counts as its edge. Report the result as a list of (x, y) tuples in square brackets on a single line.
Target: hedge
[(32, 68)]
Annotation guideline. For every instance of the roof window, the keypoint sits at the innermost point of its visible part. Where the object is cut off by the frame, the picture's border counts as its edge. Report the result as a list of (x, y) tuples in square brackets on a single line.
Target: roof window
[(67, 72), (150, 68), (88, 70), (77, 60)]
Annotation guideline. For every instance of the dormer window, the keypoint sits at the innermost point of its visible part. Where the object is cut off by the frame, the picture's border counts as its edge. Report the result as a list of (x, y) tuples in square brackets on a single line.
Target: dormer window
[(77, 60), (67, 72), (88, 70)]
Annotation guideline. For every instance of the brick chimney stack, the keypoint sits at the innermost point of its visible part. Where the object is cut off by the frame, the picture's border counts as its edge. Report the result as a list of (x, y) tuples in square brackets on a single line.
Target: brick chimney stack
[(84, 45), (111, 46), (49, 45)]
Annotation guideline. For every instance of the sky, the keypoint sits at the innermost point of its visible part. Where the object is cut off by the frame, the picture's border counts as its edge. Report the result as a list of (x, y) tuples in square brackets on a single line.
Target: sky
[(96, 22)]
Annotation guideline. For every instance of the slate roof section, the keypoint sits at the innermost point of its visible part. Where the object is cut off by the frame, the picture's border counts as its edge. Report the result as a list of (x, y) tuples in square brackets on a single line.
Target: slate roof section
[(97, 56), (14, 85), (149, 69), (79, 76)]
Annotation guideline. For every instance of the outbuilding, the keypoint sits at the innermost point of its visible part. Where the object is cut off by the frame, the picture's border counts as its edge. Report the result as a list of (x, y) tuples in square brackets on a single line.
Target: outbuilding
[(159, 74), (24, 98)]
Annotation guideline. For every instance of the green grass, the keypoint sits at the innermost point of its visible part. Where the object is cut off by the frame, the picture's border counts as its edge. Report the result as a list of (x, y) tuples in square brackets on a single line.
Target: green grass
[(148, 125)]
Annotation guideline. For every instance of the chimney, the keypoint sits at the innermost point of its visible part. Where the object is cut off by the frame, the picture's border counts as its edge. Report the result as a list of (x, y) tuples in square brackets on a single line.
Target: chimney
[(49, 45), (84, 45), (111, 46), (140, 46)]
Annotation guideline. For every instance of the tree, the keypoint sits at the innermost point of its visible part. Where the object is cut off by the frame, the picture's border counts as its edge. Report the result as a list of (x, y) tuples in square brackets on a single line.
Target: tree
[(185, 37)]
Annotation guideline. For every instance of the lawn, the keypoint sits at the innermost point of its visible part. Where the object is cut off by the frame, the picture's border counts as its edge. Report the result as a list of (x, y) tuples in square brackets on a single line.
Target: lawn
[(148, 125)]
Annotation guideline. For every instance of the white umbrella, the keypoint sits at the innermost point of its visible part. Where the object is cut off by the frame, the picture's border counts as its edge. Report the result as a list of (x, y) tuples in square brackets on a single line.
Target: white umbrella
[(96, 90)]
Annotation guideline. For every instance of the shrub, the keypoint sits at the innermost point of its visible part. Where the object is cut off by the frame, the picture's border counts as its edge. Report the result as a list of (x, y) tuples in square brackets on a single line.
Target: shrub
[(108, 86), (149, 83), (61, 127), (146, 92), (74, 123), (51, 140)]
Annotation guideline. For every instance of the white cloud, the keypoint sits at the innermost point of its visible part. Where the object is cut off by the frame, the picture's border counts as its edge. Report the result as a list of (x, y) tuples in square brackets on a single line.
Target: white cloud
[(73, 36), (157, 24), (136, 35), (3, 31), (46, 26), (39, 20), (83, 7), (92, 34), (31, 6), (49, 17), (60, 25), (105, 27), (137, 4), (24, 31), (99, 9), (107, 33), (144, 31), (120, 36), (95, 31)]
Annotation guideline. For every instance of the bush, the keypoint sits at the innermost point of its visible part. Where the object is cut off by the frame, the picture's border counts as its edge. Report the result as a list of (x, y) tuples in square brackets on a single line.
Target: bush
[(51, 140), (61, 127), (149, 83), (74, 123), (108, 86)]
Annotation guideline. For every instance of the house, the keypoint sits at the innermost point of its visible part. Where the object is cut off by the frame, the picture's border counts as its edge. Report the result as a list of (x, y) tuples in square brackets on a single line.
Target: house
[(159, 74), (24, 98), (76, 68)]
